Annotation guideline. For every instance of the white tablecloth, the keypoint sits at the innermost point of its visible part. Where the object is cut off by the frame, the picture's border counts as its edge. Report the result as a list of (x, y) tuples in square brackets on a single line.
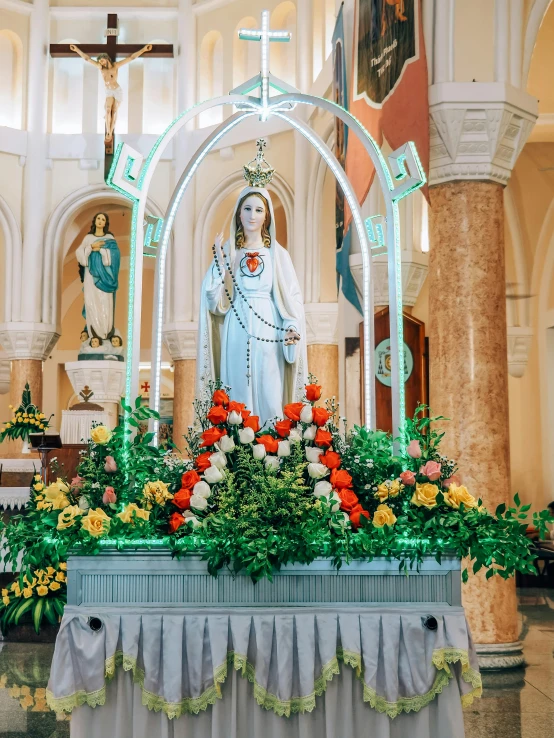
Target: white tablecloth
[(314, 673), (77, 424)]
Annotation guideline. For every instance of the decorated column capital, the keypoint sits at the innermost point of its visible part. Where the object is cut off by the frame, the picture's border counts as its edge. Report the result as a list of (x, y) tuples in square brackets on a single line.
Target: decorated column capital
[(414, 273), (28, 340), (477, 130), (180, 339), (321, 322)]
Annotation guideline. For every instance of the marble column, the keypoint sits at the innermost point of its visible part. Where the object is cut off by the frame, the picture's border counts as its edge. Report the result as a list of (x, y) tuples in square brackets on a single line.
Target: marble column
[(184, 373), (477, 132), (180, 340), (469, 367), (23, 371), (26, 346), (323, 350)]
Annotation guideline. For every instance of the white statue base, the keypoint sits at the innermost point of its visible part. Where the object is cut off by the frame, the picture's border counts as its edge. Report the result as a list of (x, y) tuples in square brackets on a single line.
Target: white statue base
[(106, 379)]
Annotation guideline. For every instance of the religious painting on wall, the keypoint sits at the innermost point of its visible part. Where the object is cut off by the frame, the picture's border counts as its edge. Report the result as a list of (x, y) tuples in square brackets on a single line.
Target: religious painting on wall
[(387, 42), (415, 366), (389, 90)]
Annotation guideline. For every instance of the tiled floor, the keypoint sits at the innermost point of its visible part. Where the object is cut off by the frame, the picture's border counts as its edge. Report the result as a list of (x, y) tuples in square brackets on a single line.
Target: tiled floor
[(516, 704)]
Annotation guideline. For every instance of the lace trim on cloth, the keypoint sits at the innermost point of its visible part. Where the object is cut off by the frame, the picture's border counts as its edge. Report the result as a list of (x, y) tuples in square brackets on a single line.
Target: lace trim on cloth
[(442, 658)]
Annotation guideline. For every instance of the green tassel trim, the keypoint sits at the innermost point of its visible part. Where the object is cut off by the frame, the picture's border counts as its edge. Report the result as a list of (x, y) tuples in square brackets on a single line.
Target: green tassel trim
[(193, 705)]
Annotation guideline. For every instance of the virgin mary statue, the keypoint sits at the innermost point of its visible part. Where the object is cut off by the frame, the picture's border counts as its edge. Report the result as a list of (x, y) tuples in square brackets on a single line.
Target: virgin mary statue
[(99, 258), (252, 333)]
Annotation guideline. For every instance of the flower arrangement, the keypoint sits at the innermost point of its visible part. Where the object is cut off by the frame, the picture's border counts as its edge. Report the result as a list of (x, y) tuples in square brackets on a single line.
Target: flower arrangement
[(255, 498), (26, 419)]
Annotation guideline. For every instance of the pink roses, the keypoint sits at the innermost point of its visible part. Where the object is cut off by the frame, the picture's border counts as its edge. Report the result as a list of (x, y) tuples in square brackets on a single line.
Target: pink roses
[(431, 470)]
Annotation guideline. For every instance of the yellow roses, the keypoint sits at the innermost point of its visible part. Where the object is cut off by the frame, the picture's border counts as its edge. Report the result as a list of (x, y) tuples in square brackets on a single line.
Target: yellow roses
[(96, 522), (68, 517), (156, 492), (42, 590), (131, 512), (101, 435), (55, 496), (458, 495), (383, 516), (425, 495), (388, 489)]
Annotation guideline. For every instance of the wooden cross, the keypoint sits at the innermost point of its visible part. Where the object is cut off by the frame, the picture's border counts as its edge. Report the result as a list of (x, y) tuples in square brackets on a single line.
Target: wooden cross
[(113, 50)]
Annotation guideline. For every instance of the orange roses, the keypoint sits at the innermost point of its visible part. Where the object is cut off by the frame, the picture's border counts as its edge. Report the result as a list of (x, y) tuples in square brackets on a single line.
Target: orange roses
[(293, 410), (331, 459), (269, 443), (313, 392), (340, 479), (320, 415), (182, 499), (217, 414), (220, 397), (211, 436), (283, 428), (203, 461), (252, 421), (176, 520), (323, 438), (189, 479), (348, 500)]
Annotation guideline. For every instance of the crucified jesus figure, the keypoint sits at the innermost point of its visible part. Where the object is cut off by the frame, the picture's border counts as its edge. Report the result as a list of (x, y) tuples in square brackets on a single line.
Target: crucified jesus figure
[(114, 93)]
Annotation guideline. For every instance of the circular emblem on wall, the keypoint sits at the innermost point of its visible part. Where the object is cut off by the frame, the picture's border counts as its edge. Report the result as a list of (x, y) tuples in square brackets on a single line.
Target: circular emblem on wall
[(383, 362)]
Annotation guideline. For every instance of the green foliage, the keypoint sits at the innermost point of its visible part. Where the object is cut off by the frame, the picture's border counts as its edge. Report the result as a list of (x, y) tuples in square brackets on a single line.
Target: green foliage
[(26, 419)]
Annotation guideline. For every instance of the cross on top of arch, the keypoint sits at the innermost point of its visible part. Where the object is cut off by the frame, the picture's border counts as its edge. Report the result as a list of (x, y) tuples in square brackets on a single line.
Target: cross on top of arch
[(265, 79)]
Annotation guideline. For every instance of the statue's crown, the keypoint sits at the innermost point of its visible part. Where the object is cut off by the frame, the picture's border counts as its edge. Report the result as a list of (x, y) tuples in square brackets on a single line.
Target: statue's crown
[(257, 172)]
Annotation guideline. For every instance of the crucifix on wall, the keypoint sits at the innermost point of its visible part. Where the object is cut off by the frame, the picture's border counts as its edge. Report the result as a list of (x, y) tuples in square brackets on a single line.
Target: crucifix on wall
[(106, 62)]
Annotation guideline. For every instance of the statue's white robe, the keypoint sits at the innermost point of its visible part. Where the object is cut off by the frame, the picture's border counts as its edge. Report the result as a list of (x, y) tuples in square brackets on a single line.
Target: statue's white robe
[(277, 372)]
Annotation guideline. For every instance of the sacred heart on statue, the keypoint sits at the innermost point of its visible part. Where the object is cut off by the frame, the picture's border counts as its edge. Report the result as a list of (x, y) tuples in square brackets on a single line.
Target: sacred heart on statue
[(252, 261)]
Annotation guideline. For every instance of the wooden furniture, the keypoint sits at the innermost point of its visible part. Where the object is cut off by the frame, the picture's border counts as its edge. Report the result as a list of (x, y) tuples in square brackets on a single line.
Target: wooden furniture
[(416, 386)]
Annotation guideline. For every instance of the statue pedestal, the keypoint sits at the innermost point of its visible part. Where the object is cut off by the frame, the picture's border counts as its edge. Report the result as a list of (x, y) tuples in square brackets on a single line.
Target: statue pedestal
[(105, 378)]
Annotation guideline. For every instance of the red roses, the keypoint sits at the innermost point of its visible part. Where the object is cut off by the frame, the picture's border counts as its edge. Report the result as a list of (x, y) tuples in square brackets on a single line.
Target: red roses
[(211, 436), (269, 443), (220, 398), (283, 428), (293, 410), (313, 392), (217, 414)]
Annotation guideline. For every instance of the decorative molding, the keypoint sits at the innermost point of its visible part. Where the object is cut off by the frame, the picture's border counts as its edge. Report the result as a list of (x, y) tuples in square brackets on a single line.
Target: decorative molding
[(88, 164), (19, 6), (28, 340), (105, 378), (519, 344), (180, 339), (414, 273), (496, 656), (76, 12), (477, 130), (321, 322)]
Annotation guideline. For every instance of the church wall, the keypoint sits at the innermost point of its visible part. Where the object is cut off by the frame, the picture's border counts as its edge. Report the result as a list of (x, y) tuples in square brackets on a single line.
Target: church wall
[(11, 184), (539, 83), (18, 24)]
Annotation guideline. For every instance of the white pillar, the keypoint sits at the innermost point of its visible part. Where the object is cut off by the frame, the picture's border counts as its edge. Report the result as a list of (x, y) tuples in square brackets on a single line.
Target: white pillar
[(443, 52), (516, 41), (34, 185), (501, 40), (181, 272), (304, 81)]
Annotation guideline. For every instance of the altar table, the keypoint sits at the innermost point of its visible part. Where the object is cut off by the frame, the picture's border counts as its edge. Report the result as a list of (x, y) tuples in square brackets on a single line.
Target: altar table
[(382, 672)]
